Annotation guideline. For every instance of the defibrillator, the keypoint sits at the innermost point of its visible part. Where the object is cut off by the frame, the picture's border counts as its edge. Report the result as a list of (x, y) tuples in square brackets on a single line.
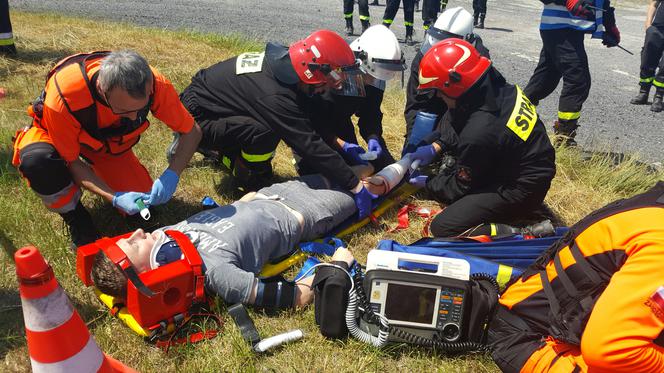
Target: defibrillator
[(420, 299), (424, 295)]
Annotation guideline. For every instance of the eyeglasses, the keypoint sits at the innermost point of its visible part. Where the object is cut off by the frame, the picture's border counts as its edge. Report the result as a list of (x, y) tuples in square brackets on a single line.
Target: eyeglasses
[(143, 108)]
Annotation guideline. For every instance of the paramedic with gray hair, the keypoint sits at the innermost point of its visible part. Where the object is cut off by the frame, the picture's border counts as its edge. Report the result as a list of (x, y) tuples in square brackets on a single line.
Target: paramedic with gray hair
[(85, 123)]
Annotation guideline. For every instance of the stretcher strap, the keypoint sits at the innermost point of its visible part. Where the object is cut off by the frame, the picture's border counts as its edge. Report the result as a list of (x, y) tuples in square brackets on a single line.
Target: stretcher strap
[(404, 221), (202, 335)]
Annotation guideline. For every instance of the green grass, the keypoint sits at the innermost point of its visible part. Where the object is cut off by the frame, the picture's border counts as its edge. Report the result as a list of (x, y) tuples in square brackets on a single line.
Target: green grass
[(579, 187)]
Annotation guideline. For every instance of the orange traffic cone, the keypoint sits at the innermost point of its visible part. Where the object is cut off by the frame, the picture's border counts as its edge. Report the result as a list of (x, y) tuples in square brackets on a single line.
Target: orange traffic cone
[(58, 340)]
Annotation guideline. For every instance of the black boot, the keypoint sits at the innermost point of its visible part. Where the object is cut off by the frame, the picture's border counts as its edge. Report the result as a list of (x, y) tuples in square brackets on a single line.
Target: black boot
[(480, 23), (475, 17), (642, 97), (539, 230), (657, 101), (349, 26), (409, 35), (81, 229), (565, 131), (417, 6), (375, 2), (8, 50), (365, 25)]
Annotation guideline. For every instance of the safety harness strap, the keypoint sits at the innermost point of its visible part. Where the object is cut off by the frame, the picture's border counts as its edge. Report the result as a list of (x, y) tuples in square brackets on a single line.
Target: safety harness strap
[(586, 268), (563, 278), (550, 295)]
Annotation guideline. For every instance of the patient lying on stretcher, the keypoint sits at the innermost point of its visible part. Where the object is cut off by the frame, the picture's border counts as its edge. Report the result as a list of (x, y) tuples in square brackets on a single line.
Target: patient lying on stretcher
[(235, 241)]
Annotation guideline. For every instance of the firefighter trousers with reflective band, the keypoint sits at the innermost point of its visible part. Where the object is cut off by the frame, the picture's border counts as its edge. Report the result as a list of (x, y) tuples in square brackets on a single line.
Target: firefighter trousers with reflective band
[(476, 209), (430, 9), (652, 55), (479, 6), (592, 302), (392, 8), (563, 56), (6, 36), (363, 8), (48, 175), (247, 146)]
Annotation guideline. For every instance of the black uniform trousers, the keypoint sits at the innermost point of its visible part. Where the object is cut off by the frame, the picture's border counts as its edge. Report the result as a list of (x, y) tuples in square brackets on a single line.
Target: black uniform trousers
[(430, 9), (247, 146), (479, 6), (563, 56), (476, 209), (363, 8), (6, 37), (393, 7), (652, 55)]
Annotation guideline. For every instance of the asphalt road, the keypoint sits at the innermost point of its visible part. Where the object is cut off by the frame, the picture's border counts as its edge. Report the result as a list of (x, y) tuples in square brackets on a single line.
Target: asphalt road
[(608, 121)]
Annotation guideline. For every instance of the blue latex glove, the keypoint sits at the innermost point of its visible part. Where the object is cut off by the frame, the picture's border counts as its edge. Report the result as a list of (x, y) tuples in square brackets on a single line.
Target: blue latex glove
[(419, 181), (353, 152), (126, 201), (374, 146), (425, 154), (163, 188), (363, 202)]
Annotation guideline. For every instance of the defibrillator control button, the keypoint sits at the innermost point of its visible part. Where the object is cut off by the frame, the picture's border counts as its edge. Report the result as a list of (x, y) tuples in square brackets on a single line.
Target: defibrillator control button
[(450, 332)]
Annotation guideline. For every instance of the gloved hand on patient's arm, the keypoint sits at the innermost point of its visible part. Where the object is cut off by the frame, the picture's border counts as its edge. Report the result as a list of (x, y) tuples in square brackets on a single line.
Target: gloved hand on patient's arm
[(126, 201), (163, 188), (362, 200), (425, 154)]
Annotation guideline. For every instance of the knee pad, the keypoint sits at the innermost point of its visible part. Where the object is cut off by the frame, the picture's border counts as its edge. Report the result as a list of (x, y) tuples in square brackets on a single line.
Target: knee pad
[(275, 293), (45, 170)]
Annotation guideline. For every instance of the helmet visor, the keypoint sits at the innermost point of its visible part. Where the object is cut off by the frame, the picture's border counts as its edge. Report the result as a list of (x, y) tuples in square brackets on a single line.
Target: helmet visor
[(434, 35), (346, 82), (387, 69)]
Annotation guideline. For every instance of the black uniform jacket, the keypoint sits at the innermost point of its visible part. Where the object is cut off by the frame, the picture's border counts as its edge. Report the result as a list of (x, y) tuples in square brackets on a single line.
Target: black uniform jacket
[(333, 114), (427, 101), (282, 107), (499, 143)]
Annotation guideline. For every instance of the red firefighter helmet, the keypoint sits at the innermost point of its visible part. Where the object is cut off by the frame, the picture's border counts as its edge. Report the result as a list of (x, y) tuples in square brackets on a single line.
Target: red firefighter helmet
[(325, 57), (452, 66)]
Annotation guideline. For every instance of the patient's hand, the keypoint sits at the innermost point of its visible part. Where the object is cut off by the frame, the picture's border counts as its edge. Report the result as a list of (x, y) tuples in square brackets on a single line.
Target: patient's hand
[(343, 255), (376, 185)]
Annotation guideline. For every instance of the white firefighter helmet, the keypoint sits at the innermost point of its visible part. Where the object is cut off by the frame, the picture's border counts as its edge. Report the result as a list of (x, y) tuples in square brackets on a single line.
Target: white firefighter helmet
[(379, 51), (453, 23)]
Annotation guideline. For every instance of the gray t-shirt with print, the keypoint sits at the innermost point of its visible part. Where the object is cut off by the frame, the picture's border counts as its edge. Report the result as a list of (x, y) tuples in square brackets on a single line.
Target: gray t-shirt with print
[(235, 241)]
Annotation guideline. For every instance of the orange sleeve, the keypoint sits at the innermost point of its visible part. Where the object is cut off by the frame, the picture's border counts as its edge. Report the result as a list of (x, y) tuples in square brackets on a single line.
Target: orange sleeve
[(61, 126), (623, 324), (167, 106)]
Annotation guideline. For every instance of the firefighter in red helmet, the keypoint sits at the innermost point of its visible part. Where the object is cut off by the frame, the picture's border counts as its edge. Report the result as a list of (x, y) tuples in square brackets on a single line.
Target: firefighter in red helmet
[(247, 104), (499, 161)]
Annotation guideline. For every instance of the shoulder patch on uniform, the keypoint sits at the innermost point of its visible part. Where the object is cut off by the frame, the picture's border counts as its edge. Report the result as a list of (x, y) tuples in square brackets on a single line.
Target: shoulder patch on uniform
[(250, 62), (656, 303), (524, 116)]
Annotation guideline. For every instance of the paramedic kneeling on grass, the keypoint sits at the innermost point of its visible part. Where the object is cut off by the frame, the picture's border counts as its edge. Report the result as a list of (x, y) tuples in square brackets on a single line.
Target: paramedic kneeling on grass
[(235, 242), (88, 118), (503, 161)]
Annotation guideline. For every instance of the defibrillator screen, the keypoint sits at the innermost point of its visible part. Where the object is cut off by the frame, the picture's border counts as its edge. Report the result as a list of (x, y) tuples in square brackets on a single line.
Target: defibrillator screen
[(415, 304)]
